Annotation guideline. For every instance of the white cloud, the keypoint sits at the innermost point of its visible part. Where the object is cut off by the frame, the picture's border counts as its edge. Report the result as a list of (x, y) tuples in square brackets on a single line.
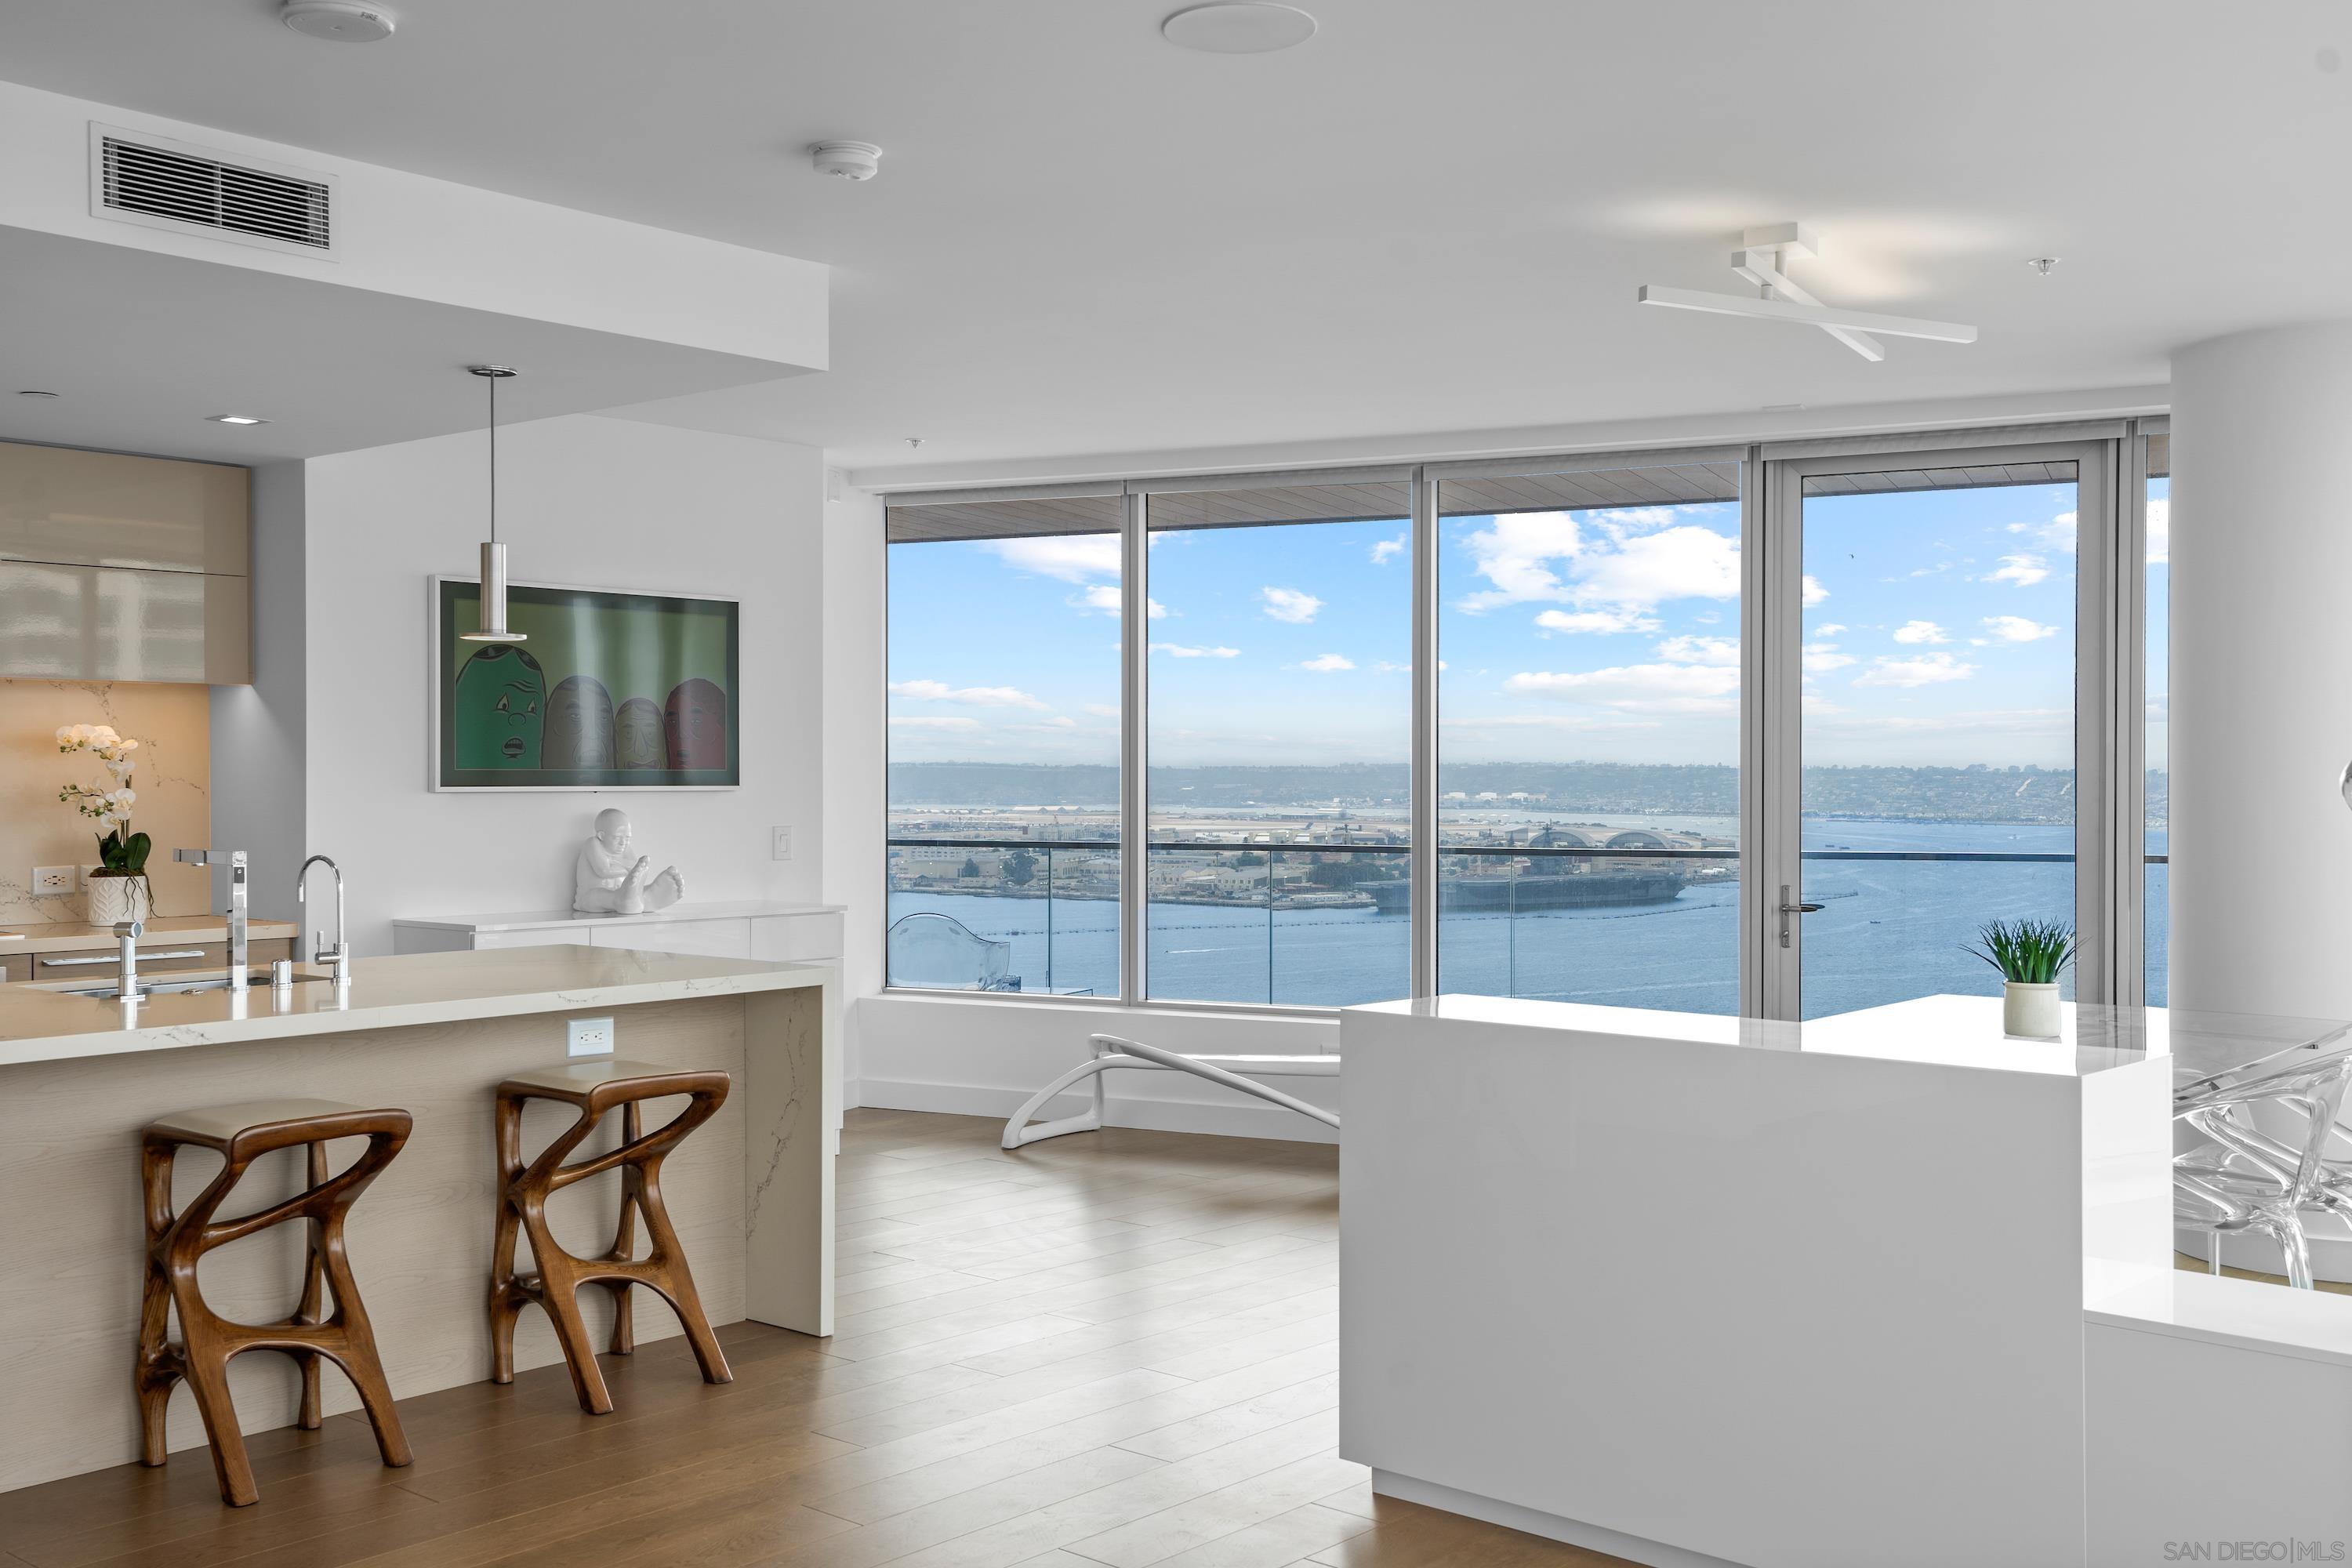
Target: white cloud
[(1178, 651), (1814, 592), (1387, 547), (2057, 534), (1104, 599), (934, 722), (1629, 559), (1920, 669), (969, 696), (1652, 687), (1328, 664), (1101, 710), (2017, 628), (1722, 652), (1071, 557), (2022, 569), (1289, 604), (1919, 632), (1821, 657), (2159, 530), (1687, 562), (1830, 630), (1596, 621)]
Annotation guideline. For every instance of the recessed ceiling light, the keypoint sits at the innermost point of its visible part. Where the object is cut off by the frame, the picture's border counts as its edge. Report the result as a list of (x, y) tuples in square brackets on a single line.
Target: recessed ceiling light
[(1238, 27), (234, 419), (338, 21), (30, 392)]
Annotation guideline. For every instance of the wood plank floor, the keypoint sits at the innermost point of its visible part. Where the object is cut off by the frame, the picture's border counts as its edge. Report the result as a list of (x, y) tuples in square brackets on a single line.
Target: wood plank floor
[(1108, 1350)]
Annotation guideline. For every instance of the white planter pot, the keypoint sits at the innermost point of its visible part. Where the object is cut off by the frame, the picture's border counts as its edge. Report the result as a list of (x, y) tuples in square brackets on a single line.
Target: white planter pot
[(2030, 1010), (113, 900)]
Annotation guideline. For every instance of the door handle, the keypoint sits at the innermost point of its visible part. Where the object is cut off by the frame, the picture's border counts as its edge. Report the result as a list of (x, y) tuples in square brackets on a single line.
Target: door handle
[(1787, 909)]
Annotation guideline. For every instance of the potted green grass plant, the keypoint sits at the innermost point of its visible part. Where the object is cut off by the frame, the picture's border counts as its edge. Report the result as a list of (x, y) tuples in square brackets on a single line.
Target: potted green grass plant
[(2031, 955)]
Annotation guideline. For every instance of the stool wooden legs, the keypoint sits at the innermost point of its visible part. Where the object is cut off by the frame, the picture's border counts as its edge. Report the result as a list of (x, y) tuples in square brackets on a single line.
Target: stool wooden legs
[(554, 1286), (208, 1342)]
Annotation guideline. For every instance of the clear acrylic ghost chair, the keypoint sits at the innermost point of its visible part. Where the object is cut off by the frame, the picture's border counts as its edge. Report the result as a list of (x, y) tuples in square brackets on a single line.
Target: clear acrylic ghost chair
[(1110, 1051), (2244, 1179), (939, 952)]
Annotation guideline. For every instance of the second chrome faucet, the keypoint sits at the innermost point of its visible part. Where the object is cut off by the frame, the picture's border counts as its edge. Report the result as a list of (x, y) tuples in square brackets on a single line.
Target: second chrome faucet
[(340, 955)]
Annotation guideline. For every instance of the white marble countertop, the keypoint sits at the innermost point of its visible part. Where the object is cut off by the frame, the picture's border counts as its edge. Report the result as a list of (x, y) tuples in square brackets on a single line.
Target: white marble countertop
[(1937, 1031), (67, 935), (545, 919), (40, 1023)]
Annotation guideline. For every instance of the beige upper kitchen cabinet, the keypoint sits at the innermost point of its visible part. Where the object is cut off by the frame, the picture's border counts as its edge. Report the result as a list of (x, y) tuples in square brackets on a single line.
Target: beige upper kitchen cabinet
[(123, 568)]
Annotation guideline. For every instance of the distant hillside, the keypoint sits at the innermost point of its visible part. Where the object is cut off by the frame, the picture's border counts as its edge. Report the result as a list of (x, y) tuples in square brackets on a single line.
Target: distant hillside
[(1977, 794)]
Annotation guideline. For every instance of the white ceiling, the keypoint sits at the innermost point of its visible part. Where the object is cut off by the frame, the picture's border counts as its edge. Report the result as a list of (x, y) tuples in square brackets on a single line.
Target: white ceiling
[(141, 346), (1432, 216)]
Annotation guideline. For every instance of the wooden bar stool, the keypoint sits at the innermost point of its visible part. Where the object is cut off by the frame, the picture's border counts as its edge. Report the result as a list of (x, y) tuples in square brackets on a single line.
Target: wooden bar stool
[(241, 1134), (593, 1089)]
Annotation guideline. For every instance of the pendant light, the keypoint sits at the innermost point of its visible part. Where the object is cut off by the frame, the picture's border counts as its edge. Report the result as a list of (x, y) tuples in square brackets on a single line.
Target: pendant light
[(494, 555)]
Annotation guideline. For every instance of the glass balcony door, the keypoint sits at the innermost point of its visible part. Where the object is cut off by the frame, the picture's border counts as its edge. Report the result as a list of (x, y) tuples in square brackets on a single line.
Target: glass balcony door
[(1920, 725)]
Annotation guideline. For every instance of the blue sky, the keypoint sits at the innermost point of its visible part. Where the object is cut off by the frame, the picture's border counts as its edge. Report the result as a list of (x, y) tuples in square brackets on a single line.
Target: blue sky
[(1939, 629)]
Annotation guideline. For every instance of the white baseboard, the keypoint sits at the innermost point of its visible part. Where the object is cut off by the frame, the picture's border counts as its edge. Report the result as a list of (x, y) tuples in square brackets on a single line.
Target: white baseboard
[(1535, 1521), (1240, 1119)]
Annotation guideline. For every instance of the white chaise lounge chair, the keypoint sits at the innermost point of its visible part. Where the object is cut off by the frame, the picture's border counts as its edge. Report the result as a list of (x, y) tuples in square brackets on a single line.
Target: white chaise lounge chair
[(1110, 1051)]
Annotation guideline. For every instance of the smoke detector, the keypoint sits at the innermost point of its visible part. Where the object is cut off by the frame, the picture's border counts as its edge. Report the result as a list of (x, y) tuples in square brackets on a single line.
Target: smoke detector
[(846, 160), (338, 21)]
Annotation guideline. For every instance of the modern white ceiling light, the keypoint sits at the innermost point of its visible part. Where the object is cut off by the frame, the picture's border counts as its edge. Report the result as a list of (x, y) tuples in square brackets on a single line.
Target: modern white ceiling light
[(1762, 259), (493, 627), (236, 419), (1238, 27), (338, 21), (846, 160)]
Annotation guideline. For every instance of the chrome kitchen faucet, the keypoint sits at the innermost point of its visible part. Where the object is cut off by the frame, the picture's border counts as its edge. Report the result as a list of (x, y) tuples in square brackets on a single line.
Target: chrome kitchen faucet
[(240, 950)]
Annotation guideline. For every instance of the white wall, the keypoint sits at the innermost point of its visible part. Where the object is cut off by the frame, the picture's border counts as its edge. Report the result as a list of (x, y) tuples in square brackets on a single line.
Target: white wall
[(854, 763), (258, 744), (588, 500), (2262, 673)]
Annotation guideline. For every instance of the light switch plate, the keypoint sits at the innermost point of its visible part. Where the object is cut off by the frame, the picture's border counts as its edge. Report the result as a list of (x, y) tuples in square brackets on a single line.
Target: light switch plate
[(49, 881), (589, 1037), (781, 843)]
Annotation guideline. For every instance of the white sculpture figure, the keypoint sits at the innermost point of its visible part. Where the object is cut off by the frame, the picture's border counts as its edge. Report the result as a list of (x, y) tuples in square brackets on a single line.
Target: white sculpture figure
[(608, 882)]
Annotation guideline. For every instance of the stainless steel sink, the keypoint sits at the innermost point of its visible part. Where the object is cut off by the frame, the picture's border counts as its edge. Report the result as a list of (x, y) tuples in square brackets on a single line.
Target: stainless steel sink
[(107, 991)]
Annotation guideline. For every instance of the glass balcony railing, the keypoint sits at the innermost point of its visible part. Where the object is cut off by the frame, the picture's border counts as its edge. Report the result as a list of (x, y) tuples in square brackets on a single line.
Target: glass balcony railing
[(1329, 926), (1288, 925), (1040, 917)]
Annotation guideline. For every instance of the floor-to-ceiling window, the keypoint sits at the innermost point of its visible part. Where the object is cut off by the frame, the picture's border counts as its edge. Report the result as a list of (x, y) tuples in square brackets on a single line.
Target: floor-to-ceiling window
[(1005, 745), (1588, 734), (1279, 702), (1938, 722), (1745, 728), (2155, 942)]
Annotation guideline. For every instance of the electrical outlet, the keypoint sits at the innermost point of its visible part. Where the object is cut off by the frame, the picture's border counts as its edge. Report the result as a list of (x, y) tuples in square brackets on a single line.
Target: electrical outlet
[(49, 881), (589, 1037), (781, 843)]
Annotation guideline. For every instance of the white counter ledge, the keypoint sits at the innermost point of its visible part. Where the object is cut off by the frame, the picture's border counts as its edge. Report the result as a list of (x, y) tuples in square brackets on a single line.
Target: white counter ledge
[(40, 1023), (434, 1035)]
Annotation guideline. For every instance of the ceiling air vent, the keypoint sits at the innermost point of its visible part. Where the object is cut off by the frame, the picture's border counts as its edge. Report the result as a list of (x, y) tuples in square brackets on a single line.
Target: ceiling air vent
[(162, 183)]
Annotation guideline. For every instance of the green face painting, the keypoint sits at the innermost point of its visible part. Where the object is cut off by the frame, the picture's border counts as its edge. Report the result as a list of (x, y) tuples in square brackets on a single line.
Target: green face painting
[(500, 709)]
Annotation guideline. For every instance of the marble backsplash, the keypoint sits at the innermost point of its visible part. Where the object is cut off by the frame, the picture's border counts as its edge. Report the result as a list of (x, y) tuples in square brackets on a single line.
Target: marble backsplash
[(172, 724)]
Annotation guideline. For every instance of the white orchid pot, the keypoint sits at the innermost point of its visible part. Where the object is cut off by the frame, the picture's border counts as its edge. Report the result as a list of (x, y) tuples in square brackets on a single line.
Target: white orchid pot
[(113, 900), (2029, 1009)]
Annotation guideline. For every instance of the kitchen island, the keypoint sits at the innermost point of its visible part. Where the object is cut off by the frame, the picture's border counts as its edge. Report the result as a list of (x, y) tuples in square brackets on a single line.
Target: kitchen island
[(751, 1192)]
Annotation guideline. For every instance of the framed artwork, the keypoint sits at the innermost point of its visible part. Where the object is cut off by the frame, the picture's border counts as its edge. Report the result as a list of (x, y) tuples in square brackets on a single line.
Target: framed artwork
[(610, 691)]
